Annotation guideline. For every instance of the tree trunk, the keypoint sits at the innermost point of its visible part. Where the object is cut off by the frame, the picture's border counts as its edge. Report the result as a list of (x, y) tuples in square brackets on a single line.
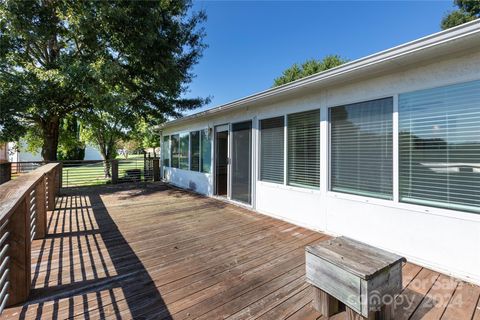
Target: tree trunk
[(50, 130), (108, 152), (106, 169)]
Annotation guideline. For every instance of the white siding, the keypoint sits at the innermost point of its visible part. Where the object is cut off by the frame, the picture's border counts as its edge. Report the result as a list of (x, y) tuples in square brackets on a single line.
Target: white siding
[(448, 241)]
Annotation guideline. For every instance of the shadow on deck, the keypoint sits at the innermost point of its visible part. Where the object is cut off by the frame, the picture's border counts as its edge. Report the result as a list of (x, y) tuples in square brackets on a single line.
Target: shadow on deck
[(151, 252), (85, 267)]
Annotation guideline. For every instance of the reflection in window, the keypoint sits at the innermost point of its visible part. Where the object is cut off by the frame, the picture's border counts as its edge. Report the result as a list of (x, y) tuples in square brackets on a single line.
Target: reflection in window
[(206, 146), (195, 150), (174, 147), (440, 147), (361, 148), (166, 151), (183, 155)]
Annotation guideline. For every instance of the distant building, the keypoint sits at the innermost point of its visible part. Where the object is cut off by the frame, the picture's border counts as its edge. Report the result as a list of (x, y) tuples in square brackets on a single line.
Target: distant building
[(20, 153)]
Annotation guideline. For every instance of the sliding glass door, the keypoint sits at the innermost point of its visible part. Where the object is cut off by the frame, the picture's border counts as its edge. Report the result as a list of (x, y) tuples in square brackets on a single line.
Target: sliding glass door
[(241, 182), (221, 160)]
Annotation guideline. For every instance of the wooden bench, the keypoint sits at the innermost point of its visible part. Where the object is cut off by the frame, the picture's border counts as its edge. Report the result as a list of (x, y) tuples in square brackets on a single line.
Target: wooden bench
[(345, 272)]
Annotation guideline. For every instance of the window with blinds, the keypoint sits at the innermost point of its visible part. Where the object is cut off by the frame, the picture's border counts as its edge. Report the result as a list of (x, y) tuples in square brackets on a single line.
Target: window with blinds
[(272, 149), (183, 152), (166, 151), (174, 150), (361, 148), (195, 150), (206, 153), (439, 147), (303, 149)]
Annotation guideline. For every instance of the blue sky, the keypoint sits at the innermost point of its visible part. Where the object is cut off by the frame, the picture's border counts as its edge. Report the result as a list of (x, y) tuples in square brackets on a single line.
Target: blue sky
[(250, 43)]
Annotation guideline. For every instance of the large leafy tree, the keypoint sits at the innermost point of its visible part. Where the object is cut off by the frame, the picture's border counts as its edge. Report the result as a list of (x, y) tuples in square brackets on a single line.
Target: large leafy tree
[(105, 130), (59, 57), (308, 68), (70, 146), (468, 10)]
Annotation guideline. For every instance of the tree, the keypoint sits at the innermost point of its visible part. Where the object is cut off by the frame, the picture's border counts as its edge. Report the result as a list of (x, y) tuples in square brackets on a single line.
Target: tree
[(105, 130), (58, 56), (70, 146), (128, 146), (468, 10), (308, 68)]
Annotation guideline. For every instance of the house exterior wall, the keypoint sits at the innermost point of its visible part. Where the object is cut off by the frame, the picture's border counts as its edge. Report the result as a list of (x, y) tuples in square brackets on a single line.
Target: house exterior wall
[(91, 153), (444, 240), (3, 152)]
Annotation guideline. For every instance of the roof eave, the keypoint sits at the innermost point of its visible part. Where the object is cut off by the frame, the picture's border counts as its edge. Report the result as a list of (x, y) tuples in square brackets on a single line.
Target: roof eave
[(318, 79)]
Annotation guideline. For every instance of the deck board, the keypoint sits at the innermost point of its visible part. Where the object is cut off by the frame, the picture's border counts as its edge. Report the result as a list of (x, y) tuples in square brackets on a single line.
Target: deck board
[(153, 252)]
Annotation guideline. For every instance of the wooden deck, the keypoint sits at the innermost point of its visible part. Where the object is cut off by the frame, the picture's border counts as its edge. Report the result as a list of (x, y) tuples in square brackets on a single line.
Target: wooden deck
[(150, 252)]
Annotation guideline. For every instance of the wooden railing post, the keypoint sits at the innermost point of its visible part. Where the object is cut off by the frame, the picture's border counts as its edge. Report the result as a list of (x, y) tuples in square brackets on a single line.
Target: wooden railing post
[(114, 171), (51, 190), (60, 177), (5, 172), (41, 207), (23, 218), (19, 252), (156, 169)]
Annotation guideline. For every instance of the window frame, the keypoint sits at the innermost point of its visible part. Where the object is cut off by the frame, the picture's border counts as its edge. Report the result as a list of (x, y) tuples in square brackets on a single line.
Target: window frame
[(200, 143), (208, 133), (177, 135), (324, 189), (259, 143), (284, 185), (187, 135), (169, 151), (190, 153), (286, 182), (431, 209), (394, 203), (394, 99)]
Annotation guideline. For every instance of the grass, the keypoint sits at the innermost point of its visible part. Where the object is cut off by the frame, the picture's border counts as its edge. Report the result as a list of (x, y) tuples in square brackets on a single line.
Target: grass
[(93, 173)]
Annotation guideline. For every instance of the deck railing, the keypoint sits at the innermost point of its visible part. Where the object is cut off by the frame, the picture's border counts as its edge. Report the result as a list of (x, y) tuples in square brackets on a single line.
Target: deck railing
[(77, 173), (24, 202)]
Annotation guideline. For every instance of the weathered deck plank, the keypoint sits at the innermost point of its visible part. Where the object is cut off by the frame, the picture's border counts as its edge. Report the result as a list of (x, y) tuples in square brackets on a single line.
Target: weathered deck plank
[(117, 252)]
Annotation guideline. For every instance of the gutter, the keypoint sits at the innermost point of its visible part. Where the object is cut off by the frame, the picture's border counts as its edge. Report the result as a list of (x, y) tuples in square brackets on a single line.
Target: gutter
[(436, 39)]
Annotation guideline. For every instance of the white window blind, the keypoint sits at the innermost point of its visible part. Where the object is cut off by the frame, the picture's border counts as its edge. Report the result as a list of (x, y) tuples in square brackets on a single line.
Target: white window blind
[(303, 149), (440, 147), (361, 148), (272, 135)]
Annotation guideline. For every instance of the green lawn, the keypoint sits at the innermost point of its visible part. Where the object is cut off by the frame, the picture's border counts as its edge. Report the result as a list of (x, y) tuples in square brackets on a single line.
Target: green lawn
[(93, 173)]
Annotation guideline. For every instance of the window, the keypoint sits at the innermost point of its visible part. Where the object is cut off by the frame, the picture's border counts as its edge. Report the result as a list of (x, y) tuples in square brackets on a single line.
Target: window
[(206, 147), (303, 153), (166, 151), (183, 155), (361, 148), (272, 137), (195, 151), (174, 147), (440, 147)]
